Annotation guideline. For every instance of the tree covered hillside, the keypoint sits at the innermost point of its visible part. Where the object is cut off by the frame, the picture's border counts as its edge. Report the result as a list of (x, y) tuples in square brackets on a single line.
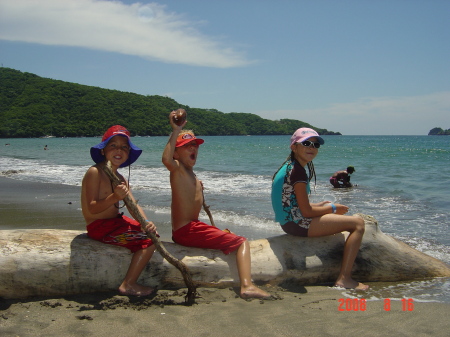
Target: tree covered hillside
[(439, 132), (32, 106)]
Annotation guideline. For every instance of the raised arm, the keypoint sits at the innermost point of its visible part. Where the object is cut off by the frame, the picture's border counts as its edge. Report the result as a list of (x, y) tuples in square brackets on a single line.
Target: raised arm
[(169, 150)]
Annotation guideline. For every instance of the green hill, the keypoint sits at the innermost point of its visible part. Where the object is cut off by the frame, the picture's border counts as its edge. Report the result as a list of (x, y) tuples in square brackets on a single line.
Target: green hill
[(439, 132), (32, 106)]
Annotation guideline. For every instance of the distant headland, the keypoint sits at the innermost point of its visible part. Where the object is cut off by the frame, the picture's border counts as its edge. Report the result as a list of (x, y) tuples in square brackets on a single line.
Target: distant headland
[(439, 132)]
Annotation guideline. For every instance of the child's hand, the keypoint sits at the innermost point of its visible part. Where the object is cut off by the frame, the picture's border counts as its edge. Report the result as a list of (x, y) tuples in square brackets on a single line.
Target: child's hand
[(226, 230), (150, 227), (341, 209), (121, 191)]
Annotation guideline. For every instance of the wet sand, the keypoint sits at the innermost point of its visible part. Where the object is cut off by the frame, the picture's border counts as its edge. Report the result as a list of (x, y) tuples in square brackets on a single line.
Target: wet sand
[(294, 310), (305, 311), (25, 204)]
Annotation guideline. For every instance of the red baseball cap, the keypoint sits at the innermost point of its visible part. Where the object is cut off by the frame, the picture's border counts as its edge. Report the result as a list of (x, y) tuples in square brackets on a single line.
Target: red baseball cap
[(185, 138)]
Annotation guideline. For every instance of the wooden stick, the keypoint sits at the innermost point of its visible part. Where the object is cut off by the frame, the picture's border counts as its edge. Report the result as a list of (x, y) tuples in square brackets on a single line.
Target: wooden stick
[(134, 210), (206, 208)]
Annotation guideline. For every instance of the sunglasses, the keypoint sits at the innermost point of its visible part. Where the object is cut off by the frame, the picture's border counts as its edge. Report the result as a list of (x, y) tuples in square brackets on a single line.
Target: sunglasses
[(308, 143)]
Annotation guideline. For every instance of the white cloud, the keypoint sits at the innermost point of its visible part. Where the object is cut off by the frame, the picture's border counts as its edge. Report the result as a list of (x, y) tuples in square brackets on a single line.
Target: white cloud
[(409, 115), (147, 31)]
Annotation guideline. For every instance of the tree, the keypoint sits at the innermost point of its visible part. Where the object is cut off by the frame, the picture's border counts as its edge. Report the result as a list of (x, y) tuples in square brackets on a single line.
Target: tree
[(32, 106)]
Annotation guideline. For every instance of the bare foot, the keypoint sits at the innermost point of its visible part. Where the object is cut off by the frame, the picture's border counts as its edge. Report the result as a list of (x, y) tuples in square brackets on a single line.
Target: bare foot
[(135, 290), (362, 286), (253, 292), (352, 285)]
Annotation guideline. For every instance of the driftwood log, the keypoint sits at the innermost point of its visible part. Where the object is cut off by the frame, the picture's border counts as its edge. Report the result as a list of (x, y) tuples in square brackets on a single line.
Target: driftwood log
[(208, 212), (48, 262), (134, 211)]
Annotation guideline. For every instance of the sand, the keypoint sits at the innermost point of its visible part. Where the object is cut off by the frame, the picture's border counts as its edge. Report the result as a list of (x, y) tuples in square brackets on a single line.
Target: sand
[(25, 204), (306, 311), (295, 310)]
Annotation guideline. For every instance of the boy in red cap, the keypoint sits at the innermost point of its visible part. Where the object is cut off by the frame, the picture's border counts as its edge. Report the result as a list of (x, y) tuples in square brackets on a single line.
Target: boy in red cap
[(100, 206), (180, 155)]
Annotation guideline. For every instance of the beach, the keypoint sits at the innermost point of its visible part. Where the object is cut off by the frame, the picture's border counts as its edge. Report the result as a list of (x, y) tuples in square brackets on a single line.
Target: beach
[(305, 311), (27, 205), (295, 310)]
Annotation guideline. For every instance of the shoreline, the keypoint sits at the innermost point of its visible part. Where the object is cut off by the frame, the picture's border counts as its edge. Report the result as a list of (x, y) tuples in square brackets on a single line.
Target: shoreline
[(28, 205), (295, 311)]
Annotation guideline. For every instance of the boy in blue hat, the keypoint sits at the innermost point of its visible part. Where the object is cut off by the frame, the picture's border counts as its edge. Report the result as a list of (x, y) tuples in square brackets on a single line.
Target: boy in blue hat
[(100, 206)]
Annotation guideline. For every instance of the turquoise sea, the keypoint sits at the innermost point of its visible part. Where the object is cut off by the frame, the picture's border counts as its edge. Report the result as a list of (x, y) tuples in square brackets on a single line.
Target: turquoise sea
[(403, 181)]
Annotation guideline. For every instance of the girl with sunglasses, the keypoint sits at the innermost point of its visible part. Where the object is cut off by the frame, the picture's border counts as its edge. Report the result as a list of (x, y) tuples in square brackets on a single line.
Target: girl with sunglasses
[(298, 217)]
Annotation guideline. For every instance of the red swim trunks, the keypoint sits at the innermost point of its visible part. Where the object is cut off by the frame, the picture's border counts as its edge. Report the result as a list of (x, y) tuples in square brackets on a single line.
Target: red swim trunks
[(201, 235), (121, 231)]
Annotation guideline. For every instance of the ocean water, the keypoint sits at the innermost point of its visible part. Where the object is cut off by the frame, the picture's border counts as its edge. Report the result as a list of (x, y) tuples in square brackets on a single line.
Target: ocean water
[(403, 181)]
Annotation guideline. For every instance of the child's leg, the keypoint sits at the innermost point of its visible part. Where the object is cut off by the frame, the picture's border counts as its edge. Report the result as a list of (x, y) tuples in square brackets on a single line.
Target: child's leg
[(138, 262), (331, 224), (243, 261)]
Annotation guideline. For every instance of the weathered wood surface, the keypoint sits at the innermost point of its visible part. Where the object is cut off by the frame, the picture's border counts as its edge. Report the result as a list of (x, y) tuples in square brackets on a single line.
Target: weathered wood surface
[(46, 262)]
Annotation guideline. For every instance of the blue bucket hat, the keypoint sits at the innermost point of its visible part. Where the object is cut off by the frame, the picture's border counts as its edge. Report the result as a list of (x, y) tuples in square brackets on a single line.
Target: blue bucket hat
[(116, 130)]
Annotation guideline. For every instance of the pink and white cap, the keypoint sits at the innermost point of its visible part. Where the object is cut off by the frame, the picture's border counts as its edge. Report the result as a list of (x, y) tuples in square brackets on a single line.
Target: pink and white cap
[(303, 134)]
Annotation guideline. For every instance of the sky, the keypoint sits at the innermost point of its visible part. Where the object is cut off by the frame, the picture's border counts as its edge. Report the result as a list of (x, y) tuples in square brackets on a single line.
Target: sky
[(359, 67)]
